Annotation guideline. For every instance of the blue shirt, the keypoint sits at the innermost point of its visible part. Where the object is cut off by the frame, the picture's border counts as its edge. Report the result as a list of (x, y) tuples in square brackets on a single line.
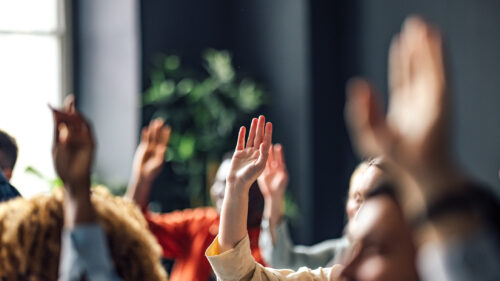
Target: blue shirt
[(7, 191), (85, 253)]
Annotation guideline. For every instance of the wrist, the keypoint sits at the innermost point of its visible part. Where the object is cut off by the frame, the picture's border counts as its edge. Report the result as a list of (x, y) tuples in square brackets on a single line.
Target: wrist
[(273, 209), (78, 210), (237, 188), (78, 190)]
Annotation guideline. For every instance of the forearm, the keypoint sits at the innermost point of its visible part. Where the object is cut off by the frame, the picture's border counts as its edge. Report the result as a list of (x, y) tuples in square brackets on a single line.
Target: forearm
[(138, 191), (233, 218), (273, 212), (78, 208)]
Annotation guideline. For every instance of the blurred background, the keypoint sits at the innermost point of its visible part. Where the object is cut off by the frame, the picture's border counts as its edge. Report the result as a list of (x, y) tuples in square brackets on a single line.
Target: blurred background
[(207, 67)]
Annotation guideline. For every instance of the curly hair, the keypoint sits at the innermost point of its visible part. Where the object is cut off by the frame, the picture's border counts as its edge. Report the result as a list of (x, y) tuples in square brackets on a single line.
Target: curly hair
[(30, 237)]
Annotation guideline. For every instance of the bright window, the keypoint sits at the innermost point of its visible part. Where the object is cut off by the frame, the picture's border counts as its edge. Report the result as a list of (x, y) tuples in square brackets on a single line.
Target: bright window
[(33, 74)]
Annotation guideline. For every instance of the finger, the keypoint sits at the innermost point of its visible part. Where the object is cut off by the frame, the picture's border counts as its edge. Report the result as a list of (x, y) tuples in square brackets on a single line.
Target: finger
[(159, 130), (151, 128), (145, 134), (240, 144), (280, 157), (69, 104), (64, 134), (361, 118), (251, 134), (155, 130), (55, 116), (271, 154), (395, 81), (165, 135), (265, 146), (269, 160), (259, 135)]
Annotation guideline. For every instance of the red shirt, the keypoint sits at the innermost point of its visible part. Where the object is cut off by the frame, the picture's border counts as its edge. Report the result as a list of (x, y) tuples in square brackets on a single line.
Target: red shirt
[(185, 236)]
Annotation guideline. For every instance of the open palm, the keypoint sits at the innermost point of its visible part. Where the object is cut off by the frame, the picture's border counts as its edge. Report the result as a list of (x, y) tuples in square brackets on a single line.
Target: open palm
[(150, 153), (250, 160), (274, 179), (414, 132)]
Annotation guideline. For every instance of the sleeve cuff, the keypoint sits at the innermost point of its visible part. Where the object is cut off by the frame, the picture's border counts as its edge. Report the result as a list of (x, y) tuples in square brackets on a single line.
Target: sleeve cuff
[(233, 264), (90, 245)]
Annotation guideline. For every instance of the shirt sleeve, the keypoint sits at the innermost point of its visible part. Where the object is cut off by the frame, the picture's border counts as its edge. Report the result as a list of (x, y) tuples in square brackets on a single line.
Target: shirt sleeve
[(85, 253), (238, 264), (7, 191), (283, 254), (476, 257)]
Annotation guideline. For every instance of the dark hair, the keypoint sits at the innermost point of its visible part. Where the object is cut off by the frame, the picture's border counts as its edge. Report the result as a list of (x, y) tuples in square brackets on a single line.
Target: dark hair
[(8, 151)]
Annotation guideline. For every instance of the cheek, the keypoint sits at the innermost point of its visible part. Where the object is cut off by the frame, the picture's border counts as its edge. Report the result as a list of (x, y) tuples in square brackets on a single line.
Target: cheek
[(351, 208), (383, 268), (374, 269)]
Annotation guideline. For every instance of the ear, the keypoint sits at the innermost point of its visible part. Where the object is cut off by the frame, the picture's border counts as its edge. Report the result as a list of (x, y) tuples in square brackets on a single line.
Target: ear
[(7, 173)]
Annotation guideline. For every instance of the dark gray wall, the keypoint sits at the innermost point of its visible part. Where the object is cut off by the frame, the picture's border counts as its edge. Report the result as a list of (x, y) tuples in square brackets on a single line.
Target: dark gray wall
[(272, 42), (471, 30), (107, 81)]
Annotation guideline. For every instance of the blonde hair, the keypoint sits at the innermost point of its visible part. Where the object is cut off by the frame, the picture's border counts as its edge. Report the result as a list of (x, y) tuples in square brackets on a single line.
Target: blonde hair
[(30, 237), (378, 162)]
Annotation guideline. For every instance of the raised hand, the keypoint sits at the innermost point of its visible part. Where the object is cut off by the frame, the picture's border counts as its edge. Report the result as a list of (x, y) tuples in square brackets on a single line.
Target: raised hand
[(250, 160), (73, 147), (247, 164), (414, 134), (150, 154), (73, 152), (274, 179), (272, 183), (148, 160)]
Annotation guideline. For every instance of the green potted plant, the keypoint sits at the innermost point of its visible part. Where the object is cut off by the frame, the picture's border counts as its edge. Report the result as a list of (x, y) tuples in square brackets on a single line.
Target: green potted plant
[(203, 109)]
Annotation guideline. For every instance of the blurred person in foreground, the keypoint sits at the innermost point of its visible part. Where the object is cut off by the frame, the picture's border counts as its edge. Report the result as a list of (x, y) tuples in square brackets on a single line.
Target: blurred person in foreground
[(275, 242), (8, 158), (454, 220), (184, 235), (75, 233)]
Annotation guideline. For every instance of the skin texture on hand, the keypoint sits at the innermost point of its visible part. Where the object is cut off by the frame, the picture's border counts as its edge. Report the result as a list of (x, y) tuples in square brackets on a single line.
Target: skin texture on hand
[(72, 152), (148, 161), (248, 162)]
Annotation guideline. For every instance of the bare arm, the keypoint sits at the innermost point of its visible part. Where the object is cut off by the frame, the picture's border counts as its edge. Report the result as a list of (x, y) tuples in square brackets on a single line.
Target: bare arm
[(72, 152), (84, 248), (273, 183), (248, 162), (148, 161)]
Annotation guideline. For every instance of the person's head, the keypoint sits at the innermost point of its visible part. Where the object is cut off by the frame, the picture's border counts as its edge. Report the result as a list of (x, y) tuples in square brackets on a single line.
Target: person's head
[(8, 154), (30, 237), (367, 174), (255, 198), (382, 245)]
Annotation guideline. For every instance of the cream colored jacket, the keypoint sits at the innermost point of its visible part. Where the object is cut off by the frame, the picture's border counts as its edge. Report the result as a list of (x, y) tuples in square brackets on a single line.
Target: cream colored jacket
[(238, 264)]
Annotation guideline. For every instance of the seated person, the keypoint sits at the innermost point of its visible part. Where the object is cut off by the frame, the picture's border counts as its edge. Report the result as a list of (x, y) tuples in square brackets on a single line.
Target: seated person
[(275, 243), (185, 235), (67, 234), (8, 157)]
